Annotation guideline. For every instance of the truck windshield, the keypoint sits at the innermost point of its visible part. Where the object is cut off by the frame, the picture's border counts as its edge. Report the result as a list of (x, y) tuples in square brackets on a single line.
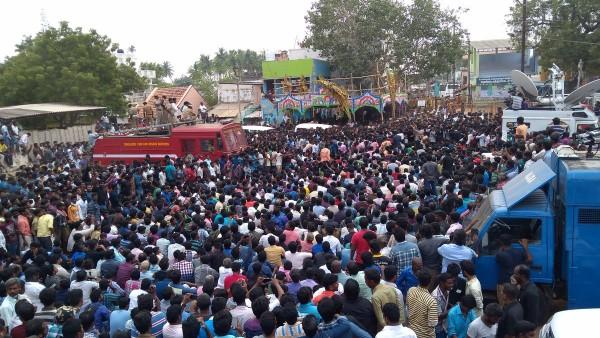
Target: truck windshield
[(481, 214)]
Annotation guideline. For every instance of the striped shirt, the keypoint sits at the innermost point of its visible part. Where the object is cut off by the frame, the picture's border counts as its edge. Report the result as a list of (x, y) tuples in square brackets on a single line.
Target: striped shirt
[(289, 331), (158, 321), (422, 312), (48, 316)]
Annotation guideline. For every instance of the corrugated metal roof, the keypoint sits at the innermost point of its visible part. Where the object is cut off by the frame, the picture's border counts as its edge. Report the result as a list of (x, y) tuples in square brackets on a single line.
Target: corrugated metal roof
[(535, 201), (227, 110), (491, 44), (522, 185), (27, 110)]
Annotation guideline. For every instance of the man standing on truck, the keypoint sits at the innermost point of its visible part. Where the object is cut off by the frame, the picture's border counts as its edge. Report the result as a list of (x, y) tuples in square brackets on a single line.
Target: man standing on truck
[(148, 114), (555, 127), (521, 130)]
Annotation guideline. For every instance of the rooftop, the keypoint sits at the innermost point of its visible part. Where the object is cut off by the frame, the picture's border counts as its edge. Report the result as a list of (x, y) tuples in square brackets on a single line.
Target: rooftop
[(35, 109), (170, 92), (492, 45), (203, 127)]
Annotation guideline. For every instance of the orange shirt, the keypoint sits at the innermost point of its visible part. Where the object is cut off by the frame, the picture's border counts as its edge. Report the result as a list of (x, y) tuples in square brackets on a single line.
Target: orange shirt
[(325, 155), (73, 213), (23, 225), (322, 295), (521, 131)]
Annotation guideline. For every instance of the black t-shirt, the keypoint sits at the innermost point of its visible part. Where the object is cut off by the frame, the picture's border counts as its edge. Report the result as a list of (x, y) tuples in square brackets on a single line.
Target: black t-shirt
[(531, 301), (513, 312), (507, 260), (457, 292), (362, 311), (428, 248)]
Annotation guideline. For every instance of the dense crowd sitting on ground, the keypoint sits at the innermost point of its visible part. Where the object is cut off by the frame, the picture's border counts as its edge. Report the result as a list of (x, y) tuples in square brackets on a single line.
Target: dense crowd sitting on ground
[(354, 231)]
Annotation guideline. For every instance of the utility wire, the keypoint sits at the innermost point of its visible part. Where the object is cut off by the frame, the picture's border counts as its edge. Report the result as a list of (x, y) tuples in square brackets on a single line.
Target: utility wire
[(574, 41)]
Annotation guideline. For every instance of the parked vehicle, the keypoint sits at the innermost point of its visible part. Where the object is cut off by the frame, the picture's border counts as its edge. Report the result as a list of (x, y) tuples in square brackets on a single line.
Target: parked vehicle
[(577, 120), (312, 126), (201, 140), (555, 204), (572, 324)]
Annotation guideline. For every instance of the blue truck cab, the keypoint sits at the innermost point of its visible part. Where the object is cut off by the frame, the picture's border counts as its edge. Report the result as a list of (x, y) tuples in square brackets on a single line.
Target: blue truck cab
[(555, 204)]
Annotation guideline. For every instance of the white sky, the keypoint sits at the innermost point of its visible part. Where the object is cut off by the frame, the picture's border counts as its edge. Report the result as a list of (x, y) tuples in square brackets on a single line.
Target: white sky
[(179, 31)]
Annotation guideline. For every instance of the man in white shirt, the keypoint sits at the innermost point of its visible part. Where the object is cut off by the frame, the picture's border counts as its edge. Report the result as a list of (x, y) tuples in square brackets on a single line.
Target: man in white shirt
[(79, 230), (86, 286), (177, 246), (33, 287), (7, 308), (134, 294), (82, 207), (486, 325), (334, 243), (393, 328)]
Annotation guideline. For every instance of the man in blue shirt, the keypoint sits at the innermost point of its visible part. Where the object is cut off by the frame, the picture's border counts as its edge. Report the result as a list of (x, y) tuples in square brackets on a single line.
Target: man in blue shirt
[(460, 316), (119, 317), (403, 252), (408, 277), (171, 172), (305, 305)]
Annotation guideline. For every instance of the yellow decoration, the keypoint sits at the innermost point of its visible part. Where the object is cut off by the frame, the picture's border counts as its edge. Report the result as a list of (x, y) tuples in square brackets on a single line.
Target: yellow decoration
[(303, 85), (287, 85), (339, 94)]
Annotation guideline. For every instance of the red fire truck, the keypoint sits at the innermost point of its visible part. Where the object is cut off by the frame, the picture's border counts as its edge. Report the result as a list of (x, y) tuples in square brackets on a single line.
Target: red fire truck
[(200, 140)]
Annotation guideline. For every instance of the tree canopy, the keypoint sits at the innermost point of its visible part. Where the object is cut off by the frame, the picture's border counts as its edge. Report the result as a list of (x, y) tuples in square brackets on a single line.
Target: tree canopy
[(64, 64), (419, 39), (561, 31), (230, 65)]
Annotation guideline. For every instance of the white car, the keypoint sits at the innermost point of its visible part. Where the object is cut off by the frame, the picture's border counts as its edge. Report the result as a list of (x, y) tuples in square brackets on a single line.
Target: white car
[(579, 323), (256, 129), (312, 126)]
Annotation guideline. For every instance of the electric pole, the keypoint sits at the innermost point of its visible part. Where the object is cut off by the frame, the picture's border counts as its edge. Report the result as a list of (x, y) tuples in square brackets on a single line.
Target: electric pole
[(523, 35)]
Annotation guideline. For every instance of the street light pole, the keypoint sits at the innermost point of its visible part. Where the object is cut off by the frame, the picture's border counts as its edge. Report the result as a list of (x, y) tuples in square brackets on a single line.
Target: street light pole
[(469, 99), (523, 35)]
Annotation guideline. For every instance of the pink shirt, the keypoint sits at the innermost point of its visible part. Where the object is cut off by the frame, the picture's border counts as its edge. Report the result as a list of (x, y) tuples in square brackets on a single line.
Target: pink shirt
[(453, 228), (291, 236)]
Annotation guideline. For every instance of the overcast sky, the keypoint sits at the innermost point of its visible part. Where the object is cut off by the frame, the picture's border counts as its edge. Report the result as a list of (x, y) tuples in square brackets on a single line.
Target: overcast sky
[(179, 31)]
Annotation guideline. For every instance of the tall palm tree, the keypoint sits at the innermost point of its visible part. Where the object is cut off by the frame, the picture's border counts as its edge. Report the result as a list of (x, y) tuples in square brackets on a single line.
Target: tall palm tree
[(167, 70), (220, 63)]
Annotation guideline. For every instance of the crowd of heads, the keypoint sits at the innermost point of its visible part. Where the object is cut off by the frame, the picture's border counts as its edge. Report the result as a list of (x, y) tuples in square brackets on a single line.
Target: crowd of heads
[(262, 235)]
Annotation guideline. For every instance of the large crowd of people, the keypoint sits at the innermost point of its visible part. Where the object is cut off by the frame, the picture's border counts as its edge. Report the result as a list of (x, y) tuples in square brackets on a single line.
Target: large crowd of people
[(353, 231)]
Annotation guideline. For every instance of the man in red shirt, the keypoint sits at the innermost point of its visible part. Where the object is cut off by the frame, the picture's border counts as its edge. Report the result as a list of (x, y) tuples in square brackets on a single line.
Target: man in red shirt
[(360, 241), (235, 277), (330, 282)]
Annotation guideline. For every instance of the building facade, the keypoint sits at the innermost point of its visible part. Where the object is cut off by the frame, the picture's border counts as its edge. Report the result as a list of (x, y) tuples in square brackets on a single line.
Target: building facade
[(491, 62)]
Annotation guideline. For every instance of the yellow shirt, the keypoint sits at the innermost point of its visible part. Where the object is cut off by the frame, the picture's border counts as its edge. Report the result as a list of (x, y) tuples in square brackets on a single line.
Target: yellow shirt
[(45, 225), (274, 253)]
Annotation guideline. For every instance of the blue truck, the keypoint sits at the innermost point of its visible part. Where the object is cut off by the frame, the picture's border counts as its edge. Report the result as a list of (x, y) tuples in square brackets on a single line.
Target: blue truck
[(555, 204)]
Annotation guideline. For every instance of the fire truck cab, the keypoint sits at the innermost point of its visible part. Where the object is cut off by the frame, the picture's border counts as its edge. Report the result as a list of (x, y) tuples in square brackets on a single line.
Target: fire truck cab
[(200, 140)]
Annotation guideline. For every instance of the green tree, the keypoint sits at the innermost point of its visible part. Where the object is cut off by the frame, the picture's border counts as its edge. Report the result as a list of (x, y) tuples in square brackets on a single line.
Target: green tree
[(220, 63), (420, 39), (182, 81), (561, 31), (64, 64), (352, 34), (428, 42), (156, 67), (204, 65), (226, 65), (167, 69)]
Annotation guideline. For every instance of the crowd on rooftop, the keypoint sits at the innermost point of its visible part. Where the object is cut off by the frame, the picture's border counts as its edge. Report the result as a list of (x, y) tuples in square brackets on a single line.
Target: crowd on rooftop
[(352, 231)]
